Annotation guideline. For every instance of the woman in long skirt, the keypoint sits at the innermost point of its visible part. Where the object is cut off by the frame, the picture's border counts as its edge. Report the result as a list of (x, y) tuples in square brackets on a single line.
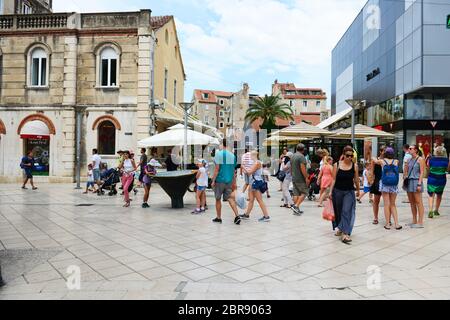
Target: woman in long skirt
[(345, 183)]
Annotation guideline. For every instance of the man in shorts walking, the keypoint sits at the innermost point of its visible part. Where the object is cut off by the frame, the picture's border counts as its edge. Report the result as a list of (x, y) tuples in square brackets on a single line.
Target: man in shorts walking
[(300, 178), (222, 182)]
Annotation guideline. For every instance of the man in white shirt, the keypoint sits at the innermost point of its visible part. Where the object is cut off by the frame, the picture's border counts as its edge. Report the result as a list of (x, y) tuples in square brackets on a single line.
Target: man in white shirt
[(247, 163), (96, 160)]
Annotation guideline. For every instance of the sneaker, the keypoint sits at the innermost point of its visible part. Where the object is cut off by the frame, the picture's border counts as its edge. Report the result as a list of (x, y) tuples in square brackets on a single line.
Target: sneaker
[(431, 215), (196, 211), (237, 220), (217, 220), (145, 206), (264, 219), (297, 211), (437, 214), (244, 217)]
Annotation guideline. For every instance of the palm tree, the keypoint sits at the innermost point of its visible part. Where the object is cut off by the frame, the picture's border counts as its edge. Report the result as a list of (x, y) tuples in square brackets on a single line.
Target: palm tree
[(269, 109)]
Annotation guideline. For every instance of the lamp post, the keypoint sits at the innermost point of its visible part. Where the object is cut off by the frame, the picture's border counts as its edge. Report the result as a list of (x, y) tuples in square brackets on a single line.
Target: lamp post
[(356, 105), (186, 106)]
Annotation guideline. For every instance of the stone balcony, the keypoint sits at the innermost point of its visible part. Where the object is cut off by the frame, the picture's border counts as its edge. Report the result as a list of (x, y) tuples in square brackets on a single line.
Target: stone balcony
[(34, 21), (83, 21)]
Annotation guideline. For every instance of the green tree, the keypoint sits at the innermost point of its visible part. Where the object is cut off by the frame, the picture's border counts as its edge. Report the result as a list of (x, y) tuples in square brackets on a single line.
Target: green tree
[(269, 109)]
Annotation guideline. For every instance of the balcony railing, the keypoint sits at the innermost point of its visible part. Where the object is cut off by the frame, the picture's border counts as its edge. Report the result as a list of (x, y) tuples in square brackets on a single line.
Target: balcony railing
[(34, 21)]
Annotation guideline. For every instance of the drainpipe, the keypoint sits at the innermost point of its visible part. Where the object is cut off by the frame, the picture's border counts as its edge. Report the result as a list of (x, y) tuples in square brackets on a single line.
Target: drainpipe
[(152, 87), (78, 124)]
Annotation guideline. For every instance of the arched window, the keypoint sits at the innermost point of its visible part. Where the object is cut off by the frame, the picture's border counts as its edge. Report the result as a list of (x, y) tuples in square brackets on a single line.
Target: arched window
[(106, 138), (39, 67), (109, 67)]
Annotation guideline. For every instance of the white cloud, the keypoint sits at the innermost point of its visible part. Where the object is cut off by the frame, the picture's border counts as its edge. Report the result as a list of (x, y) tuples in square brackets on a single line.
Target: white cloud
[(271, 36)]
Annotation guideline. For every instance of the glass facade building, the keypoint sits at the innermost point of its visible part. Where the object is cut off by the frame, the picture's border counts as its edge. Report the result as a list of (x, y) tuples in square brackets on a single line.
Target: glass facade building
[(396, 56)]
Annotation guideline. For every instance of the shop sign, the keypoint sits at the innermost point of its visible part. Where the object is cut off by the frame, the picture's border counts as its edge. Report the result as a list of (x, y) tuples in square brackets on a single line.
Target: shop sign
[(373, 74), (448, 21), (434, 124)]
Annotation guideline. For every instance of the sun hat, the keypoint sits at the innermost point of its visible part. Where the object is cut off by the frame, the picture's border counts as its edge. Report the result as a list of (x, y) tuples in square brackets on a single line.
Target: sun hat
[(154, 163)]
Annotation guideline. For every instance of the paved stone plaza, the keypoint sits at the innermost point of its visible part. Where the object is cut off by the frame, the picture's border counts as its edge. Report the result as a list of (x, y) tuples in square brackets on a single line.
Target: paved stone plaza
[(160, 253)]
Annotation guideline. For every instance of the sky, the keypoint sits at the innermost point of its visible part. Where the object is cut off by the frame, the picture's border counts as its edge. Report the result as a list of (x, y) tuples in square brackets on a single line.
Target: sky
[(225, 43)]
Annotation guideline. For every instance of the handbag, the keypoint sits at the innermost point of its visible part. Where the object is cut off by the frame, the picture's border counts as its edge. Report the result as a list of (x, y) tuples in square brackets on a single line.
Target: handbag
[(281, 176), (260, 185), (406, 181), (328, 211)]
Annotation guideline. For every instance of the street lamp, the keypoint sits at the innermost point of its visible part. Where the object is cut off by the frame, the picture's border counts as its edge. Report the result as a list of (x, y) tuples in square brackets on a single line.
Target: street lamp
[(186, 106), (356, 105)]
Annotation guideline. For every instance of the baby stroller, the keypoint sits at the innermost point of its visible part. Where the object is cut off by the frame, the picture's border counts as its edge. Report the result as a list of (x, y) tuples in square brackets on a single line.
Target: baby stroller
[(314, 188), (110, 178)]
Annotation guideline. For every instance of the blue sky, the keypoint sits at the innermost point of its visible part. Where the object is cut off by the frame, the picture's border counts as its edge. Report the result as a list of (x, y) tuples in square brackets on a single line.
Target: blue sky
[(228, 42)]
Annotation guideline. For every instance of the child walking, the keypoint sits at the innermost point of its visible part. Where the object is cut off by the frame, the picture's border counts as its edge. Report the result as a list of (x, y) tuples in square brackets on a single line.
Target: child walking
[(90, 183), (202, 184), (366, 181)]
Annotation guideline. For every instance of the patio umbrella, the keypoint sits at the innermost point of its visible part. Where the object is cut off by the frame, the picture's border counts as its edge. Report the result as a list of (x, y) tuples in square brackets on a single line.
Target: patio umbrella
[(276, 140), (361, 132), (174, 137), (302, 130)]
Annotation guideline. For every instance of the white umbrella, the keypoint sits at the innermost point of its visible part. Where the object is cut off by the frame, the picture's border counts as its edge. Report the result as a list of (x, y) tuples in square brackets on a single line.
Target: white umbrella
[(361, 132), (303, 130), (174, 137)]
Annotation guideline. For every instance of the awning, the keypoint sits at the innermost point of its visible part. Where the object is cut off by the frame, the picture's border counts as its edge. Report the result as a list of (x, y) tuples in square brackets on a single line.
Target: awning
[(35, 130), (302, 130), (361, 132), (336, 118)]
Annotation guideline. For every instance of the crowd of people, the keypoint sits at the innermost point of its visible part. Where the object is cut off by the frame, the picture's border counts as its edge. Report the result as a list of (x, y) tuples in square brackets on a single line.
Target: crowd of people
[(338, 182)]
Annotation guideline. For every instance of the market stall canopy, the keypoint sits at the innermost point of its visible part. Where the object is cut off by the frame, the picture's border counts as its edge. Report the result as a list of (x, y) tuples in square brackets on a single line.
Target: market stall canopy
[(302, 130), (175, 137), (277, 140), (361, 132), (334, 119)]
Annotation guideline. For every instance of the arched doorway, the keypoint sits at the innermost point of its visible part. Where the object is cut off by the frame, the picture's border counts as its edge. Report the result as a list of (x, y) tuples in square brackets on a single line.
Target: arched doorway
[(35, 131)]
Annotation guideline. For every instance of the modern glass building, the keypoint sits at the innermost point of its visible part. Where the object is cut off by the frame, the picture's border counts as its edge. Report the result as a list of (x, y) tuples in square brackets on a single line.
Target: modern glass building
[(396, 56)]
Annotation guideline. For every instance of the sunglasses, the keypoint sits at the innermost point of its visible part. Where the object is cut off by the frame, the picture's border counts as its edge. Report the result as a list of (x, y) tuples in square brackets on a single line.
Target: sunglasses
[(349, 155)]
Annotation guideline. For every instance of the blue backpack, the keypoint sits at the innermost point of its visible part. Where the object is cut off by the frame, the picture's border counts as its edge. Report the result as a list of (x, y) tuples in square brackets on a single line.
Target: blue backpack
[(390, 175)]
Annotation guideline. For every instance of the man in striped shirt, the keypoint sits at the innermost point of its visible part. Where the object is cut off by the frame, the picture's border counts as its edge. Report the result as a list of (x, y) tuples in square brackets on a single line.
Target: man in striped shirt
[(247, 163)]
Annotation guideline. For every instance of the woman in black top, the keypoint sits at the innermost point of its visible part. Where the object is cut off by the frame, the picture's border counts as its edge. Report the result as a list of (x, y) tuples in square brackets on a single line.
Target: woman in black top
[(345, 179), (375, 188)]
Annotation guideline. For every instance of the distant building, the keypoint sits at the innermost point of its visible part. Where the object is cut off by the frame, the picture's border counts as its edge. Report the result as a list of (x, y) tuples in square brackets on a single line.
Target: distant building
[(25, 6), (309, 104)]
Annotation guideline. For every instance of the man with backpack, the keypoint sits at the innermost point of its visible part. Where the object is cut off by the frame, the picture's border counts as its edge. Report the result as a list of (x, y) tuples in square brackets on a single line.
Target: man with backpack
[(389, 187), (27, 164)]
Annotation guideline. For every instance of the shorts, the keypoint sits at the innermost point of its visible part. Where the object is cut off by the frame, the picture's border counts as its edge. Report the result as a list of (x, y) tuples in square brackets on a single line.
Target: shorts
[(223, 190), (247, 179), (96, 174), (141, 176), (300, 189), (90, 184), (367, 189), (146, 180), (28, 173), (201, 189)]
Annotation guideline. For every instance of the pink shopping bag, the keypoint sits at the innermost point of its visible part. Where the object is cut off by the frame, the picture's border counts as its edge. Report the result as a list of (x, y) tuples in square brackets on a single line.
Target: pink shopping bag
[(328, 211)]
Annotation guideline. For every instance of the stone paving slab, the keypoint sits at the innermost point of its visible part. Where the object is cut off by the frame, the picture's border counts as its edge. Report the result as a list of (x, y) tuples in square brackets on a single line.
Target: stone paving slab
[(165, 254)]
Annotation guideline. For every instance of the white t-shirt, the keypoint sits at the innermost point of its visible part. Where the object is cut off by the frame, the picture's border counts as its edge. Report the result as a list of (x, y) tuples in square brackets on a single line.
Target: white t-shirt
[(366, 179), (90, 176), (202, 181), (247, 161), (407, 157), (96, 159)]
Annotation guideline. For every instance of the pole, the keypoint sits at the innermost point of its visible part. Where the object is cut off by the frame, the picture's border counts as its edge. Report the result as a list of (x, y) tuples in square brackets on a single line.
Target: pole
[(353, 127), (79, 120), (185, 150)]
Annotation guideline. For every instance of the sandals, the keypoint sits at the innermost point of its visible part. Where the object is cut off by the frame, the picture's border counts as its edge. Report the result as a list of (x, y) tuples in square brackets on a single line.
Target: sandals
[(346, 240), (375, 222), (387, 228), (126, 205), (34, 188)]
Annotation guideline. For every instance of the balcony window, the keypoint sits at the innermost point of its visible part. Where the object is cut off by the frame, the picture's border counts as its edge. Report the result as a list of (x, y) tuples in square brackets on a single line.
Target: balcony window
[(39, 68), (109, 67)]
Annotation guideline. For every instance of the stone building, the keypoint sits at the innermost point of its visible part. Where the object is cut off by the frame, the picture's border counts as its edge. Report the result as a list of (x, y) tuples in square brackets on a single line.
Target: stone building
[(25, 6), (309, 104), (222, 110), (56, 68)]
